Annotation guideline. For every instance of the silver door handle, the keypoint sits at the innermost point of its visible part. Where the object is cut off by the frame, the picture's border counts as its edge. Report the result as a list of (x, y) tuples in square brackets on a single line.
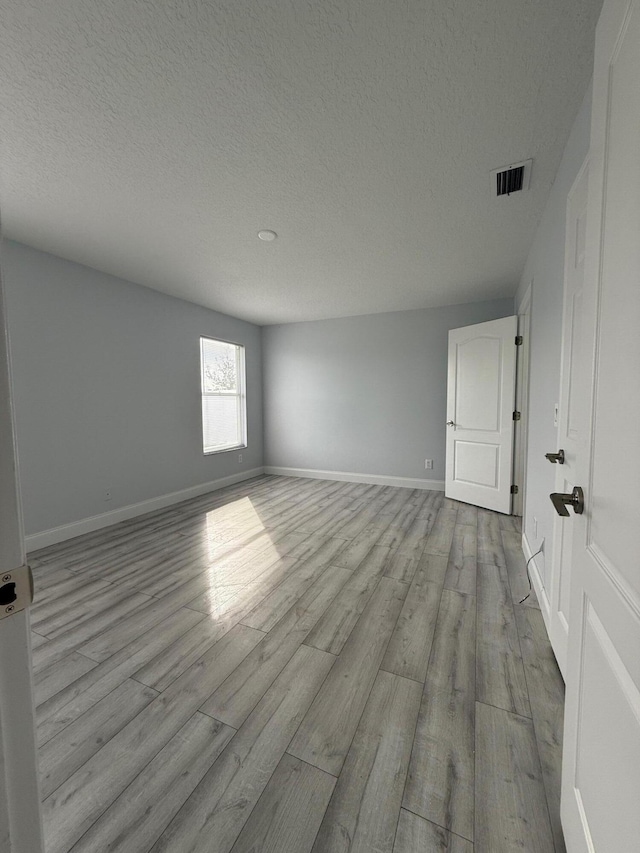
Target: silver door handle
[(450, 423), (561, 501), (556, 457)]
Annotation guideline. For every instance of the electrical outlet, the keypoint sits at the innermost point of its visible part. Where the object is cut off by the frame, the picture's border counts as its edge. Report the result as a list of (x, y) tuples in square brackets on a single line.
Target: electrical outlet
[(428, 464), (535, 529), (107, 494), (239, 457)]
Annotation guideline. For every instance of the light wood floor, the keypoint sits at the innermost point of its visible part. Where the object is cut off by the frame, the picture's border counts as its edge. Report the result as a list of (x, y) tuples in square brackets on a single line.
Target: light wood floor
[(296, 665)]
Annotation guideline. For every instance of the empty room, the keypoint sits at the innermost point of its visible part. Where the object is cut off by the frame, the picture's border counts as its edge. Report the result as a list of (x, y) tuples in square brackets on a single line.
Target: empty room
[(319, 461)]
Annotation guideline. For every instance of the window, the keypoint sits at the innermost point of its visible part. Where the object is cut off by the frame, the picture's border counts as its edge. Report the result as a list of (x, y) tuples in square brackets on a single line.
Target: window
[(224, 407)]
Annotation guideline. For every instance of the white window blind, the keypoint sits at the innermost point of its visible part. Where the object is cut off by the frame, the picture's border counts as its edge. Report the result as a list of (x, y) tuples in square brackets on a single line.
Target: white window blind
[(223, 395)]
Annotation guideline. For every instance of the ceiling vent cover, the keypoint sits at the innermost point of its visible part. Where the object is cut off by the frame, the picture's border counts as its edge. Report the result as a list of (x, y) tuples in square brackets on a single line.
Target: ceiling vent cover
[(511, 179)]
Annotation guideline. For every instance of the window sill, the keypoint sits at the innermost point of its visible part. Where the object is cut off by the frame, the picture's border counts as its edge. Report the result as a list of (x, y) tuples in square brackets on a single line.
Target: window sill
[(224, 450)]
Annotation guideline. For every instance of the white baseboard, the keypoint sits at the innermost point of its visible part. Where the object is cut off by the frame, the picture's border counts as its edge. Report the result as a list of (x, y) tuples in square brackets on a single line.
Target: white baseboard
[(349, 477), (536, 582), (106, 519)]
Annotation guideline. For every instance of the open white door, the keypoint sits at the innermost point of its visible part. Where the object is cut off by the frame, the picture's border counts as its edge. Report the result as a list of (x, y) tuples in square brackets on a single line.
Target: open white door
[(571, 419), (480, 406), (601, 766), (20, 823)]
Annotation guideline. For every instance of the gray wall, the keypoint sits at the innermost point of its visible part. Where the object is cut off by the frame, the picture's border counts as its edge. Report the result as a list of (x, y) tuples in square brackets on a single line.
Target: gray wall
[(106, 381), (365, 394), (545, 268)]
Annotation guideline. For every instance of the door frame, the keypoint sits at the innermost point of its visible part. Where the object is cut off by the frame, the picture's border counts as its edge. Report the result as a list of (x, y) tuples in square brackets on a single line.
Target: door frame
[(558, 633), (20, 814), (521, 434)]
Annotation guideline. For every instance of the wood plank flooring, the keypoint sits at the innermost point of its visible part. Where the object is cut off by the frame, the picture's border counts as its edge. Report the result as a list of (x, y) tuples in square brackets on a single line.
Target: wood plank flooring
[(296, 666)]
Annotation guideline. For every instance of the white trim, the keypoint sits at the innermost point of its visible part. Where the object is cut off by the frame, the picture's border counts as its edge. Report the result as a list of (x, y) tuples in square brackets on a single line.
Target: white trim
[(521, 427), (105, 519), (524, 305), (537, 584), (350, 477), (20, 813)]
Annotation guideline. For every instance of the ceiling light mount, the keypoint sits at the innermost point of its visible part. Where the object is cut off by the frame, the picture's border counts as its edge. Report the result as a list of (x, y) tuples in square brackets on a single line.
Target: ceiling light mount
[(267, 236)]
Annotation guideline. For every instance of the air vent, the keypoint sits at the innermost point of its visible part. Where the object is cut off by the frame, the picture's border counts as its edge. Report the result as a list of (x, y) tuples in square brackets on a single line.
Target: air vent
[(511, 179)]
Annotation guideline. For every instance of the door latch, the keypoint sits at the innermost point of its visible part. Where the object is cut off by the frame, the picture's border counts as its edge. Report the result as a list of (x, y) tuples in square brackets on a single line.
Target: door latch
[(556, 457), (16, 590), (561, 501)]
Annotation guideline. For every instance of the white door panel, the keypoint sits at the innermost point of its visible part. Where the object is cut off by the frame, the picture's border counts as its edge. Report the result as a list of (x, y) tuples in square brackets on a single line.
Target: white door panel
[(477, 402), (601, 766), (480, 399), (609, 704)]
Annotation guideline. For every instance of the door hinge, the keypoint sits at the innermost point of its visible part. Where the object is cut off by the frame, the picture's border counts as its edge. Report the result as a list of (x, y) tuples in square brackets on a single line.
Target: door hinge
[(514, 490), (518, 340), (516, 416)]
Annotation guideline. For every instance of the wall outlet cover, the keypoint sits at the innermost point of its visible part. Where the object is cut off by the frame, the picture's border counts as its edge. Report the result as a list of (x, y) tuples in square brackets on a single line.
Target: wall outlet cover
[(428, 464)]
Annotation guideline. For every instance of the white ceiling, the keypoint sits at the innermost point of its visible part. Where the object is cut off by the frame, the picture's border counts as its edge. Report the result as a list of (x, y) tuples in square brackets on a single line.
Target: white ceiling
[(153, 139)]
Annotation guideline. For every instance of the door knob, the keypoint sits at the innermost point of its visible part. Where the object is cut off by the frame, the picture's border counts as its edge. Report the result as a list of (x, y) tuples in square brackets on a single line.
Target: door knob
[(556, 457), (450, 423), (561, 501)]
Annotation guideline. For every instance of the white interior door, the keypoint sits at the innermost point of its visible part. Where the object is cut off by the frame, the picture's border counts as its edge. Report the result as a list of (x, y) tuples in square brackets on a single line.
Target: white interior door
[(601, 766), (20, 823), (480, 406), (571, 420)]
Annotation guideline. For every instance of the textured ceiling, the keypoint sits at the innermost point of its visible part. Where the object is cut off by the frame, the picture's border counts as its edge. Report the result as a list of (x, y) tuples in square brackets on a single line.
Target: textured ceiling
[(152, 139)]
